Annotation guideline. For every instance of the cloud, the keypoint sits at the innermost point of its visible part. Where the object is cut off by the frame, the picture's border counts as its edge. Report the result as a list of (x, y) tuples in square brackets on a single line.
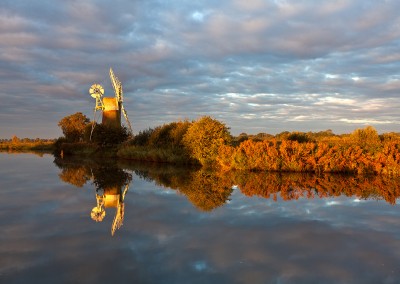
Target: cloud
[(183, 59)]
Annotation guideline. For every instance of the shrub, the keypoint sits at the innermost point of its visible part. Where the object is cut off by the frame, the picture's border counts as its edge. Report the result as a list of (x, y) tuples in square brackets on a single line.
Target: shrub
[(73, 126), (299, 137), (203, 139), (105, 135), (168, 135), (143, 138), (367, 138)]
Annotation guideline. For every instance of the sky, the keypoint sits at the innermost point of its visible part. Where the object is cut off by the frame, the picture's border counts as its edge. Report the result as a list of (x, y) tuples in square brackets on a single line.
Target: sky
[(256, 65)]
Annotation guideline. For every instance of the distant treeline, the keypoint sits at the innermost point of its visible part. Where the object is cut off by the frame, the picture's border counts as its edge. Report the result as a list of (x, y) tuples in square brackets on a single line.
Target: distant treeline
[(25, 144), (321, 136)]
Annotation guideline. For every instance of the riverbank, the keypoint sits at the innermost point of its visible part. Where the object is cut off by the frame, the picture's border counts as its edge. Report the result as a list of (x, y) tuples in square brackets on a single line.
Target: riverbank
[(125, 152), (264, 156), (207, 142), (27, 146)]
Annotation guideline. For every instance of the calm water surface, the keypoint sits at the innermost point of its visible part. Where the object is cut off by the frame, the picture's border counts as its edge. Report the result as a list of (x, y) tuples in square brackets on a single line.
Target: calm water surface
[(61, 222)]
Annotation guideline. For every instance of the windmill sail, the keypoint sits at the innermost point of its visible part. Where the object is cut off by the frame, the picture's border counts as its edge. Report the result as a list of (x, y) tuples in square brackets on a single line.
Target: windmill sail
[(119, 215), (117, 86), (127, 119), (119, 97)]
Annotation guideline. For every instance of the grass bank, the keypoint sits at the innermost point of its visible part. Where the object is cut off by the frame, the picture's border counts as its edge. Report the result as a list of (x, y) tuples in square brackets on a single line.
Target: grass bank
[(83, 149), (151, 154)]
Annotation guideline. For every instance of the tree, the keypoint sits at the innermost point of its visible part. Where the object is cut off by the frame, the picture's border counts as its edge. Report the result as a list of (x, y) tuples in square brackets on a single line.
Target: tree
[(15, 140), (204, 137), (169, 135), (73, 126), (300, 137), (105, 135), (143, 138), (367, 138)]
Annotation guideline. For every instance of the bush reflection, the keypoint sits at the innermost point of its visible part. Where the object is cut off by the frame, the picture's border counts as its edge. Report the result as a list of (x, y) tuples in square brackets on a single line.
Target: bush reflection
[(207, 189), (292, 186)]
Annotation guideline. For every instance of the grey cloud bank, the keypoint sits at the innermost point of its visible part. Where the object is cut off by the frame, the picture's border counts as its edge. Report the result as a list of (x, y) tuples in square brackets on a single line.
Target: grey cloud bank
[(258, 66)]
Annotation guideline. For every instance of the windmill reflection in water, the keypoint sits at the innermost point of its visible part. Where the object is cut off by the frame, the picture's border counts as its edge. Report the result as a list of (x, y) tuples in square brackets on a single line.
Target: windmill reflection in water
[(111, 184), (112, 197)]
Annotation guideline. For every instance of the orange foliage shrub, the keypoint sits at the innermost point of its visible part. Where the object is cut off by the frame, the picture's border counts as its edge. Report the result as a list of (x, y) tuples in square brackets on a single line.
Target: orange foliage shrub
[(318, 157), (387, 161), (224, 157), (297, 157)]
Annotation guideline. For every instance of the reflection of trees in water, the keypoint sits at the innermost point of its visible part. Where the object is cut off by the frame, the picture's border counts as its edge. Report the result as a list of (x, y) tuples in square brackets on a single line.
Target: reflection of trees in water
[(208, 190), (104, 174), (295, 186), (76, 175), (73, 172)]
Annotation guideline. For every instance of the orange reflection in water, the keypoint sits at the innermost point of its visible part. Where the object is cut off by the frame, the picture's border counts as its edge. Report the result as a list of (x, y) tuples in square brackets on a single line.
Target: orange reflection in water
[(209, 189), (295, 186)]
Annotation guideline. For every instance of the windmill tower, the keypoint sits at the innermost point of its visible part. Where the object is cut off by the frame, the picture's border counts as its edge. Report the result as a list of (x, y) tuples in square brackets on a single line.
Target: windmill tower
[(111, 107)]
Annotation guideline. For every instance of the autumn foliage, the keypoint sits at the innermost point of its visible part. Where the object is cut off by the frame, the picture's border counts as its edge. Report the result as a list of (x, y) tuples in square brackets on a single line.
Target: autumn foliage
[(179, 142), (207, 142), (362, 152), (316, 157), (73, 126), (204, 138), (293, 186)]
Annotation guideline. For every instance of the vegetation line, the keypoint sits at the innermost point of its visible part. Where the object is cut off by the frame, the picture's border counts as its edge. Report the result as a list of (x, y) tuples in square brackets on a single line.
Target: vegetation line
[(16, 144), (208, 142)]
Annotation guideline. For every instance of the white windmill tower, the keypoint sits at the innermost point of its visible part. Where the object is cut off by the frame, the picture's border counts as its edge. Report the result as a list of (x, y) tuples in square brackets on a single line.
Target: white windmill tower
[(110, 107)]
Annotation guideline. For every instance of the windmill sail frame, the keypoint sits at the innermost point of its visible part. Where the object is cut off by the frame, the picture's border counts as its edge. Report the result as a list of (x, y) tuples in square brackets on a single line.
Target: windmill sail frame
[(119, 97)]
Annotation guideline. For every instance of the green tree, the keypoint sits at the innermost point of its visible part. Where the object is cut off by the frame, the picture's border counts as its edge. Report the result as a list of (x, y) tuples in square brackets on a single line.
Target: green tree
[(73, 126), (143, 138), (204, 137), (300, 137), (105, 135)]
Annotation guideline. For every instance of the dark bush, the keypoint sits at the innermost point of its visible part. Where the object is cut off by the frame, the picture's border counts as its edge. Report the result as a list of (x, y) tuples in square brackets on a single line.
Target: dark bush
[(143, 138), (105, 135), (299, 137)]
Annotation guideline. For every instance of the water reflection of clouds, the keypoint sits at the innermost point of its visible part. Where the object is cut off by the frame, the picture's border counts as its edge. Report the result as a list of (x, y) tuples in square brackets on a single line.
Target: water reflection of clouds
[(255, 254), (337, 211), (200, 265), (165, 239), (274, 246)]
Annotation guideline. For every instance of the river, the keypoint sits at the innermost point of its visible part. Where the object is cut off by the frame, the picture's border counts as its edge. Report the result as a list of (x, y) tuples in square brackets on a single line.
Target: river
[(83, 221)]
